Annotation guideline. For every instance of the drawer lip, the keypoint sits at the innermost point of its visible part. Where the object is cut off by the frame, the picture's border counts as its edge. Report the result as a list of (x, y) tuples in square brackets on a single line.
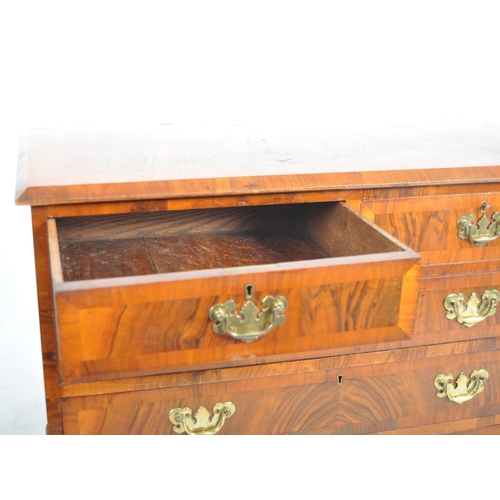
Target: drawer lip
[(149, 343), (406, 255)]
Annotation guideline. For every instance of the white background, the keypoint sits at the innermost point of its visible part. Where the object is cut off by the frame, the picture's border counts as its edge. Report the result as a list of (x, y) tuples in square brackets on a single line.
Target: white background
[(110, 62)]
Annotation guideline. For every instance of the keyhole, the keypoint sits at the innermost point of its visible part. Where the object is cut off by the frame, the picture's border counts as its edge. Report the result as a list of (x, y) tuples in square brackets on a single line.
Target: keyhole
[(249, 291), (339, 379), (484, 206)]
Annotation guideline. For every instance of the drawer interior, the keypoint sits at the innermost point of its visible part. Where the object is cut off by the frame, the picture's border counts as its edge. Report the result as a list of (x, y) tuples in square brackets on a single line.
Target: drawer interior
[(162, 242)]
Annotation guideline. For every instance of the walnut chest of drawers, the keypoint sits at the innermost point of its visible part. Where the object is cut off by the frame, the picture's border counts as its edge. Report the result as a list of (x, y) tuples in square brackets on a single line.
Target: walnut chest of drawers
[(234, 280)]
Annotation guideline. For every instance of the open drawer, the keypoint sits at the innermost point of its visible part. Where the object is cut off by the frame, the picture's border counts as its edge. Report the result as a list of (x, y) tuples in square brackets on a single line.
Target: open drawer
[(149, 293)]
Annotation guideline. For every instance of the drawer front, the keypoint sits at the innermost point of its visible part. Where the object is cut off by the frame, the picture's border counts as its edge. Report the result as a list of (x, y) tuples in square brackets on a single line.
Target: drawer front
[(182, 321), (334, 395), (458, 308), (428, 225), (165, 327)]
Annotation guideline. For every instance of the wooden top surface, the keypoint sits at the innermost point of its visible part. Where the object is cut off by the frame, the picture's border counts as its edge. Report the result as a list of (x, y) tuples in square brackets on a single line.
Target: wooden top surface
[(70, 165)]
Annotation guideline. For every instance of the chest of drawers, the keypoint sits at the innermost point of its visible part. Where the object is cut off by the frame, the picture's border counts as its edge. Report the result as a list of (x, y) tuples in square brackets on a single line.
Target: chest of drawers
[(232, 280)]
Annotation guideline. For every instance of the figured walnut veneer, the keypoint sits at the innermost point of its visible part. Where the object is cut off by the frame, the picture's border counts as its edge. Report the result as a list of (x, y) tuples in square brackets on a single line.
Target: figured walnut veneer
[(312, 254), (138, 235)]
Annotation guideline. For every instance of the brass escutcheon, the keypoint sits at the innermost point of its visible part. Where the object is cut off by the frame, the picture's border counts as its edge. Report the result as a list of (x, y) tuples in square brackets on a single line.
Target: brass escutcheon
[(463, 389), (250, 323), (202, 423), (481, 232), (473, 310)]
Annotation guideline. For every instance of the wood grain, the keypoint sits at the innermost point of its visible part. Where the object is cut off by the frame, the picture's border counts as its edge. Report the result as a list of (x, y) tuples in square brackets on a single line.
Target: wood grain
[(46, 317), (84, 260), (480, 425), (372, 361), (481, 431), (56, 267), (372, 398), (333, 193), (165, 223), (118, 369), (163, 242), (191, 252), (423, 334), (428, 225), (75, 166), (431, 312), (420, 338), (121, 338)]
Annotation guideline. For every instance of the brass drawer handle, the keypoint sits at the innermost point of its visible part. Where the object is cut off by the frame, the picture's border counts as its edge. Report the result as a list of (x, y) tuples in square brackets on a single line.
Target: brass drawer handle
[(463, 389), (249, 324), (481, 232), (201, 423), (473, 310)]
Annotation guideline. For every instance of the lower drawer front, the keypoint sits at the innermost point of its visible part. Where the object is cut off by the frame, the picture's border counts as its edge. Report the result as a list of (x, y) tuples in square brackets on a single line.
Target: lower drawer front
[(346, 395)]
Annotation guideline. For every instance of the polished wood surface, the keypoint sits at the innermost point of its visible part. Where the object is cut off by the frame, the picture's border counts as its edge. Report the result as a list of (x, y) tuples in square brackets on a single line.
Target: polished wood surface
[(156, 337), (370, 360), (111, 206), (489, 424), (81, 165), (431, 312), (122, 327), (370, 398), (431, 329), (46, 318), (481, 431), (421, 337), (429, 226)]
